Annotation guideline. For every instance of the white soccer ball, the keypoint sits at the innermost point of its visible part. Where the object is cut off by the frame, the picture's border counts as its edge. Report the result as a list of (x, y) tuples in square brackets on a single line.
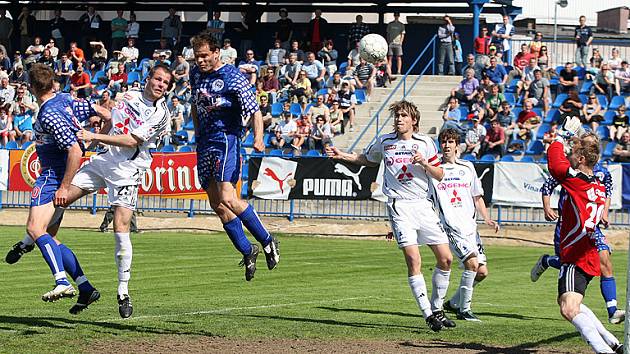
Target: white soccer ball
[(373, 48)]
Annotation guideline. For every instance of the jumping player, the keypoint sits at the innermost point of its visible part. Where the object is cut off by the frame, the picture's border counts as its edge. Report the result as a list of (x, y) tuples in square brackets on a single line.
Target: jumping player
[(608, 285), (459, 196), (59, 154), (581, 213), (222, 99), (136, 124), (411, 162)]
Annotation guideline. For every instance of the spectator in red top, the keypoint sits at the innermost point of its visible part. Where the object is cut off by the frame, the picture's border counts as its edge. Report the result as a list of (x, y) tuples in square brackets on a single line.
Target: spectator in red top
[(495, 137), (521, 60), (481, 45), (270, 83), (116, 80), (528, 121), (76, 54), (317, 31), (80, 82)]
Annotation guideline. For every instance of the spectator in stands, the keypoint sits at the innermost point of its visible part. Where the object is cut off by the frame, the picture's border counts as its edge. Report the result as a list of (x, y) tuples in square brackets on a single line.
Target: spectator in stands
[(285, 29), (106, 101), (54, 51), (304, 126), (544, 63), (289, 72), (301, 91), (285, 132), (23, 124), (6, 125), (172, 29), (596, 59), (76, 54), (216, 27), (474, 137), (568, 78), (47, 58), (495, 137), (496, 73), (319, 109), (265, 110), (18, 76), (395, 40), (117, 76), (248, 26), (177, 115), (347, 103), (466, 91), (317, 31), (130, 54), (528, 121), (445, 35), (614, 62), (353, 56), (493, 50), (364, 77), (622, 79), (570, 107), (33, 52), (478, 106), (494, 100), (295, 49), (17, 60), (249, 67), (7, 91), (163, 50), (502, 34), (90, 26), (275, 55), (133, 27), (336, 118), (604, 83), (6, 31), (472, 64), (550, 135), (57, 27), (527, 76), (539, 93), (328, 56), (315, 71), (620, 124), (507, 119), (535, 46), (99, 56), (270, 83), (5, 63), (80, 82), (591, 112), (321, 134), (621, 153), (119, 29), (481, 45), (227, 54), (451, 117), (520, 61), (357, 31), (181, 69), (334, 85), (458, 52), (583, 39), (26, 24)]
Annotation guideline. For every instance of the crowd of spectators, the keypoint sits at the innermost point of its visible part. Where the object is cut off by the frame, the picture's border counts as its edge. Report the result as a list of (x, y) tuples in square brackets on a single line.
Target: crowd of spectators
[(501, 109)]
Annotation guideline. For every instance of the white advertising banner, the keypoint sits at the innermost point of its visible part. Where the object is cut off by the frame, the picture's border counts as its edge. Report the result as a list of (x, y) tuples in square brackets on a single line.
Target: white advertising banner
[(4, 169), (276, 177)]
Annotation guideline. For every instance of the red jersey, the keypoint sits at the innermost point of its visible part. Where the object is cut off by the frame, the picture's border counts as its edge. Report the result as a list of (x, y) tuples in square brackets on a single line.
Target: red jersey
[(521, 60), (581, 212)]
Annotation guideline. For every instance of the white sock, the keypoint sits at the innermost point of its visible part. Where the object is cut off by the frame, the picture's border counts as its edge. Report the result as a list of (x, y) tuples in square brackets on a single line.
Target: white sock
[(27, 241), (585, 326), (606, 335), (455, 299), (124, 252), (439, 280), (466, 289), (419, 291)]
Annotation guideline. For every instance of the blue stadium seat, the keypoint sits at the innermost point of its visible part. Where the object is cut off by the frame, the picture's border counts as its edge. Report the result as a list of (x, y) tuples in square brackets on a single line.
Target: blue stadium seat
[(185, 148), (360, 95), (583, 98), (98, 75), (517, 111), (463, 111), (507, 158), (26, 144), (296, 109), (509, 97), (535, 148), (543, 160), (276, 109), (527, 159), (469, 157), (559, 99), (538, 111), (193, 140), (342, 67), (308, 108), (581, 72), (132, 76), (245, 171), (275, 152), (609, 150), (542, 130), (11, 145), (323, 91), (267, 139), (189, 126), (313, 153), (603, 132), (244, 189), (167, 148), (586, 87), (552, 116), (249, 141), (608, 117), (488, 158), (617, 102), (603, 101)]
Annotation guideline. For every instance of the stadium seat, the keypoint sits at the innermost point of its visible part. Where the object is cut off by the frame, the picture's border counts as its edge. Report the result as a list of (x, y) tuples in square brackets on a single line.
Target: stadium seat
[(296, 109), (244, 189), (526, 159), (276, 109), (463, 111), (603, 101), (608, 117), (538, 111), (512, 86), (535, 148), (189, 126), (552, 116), (323, 91), (360, 95), (185, 148), (167, 148), (559, 99), (507, 158), (584, 98), (609, 149), (617, 102), (11, 145), (542, 130), (603, 132), (141, 63), (257, 154), (313, 153), (97, 75), (132, 76), (488, 158), (275, 152), (249, 141), (509, 97), (342, 67), (26, 144), (586, 87), (267, 139), (581, 72), (543, 160), (517, 111), (245, 171), (193, 140), (308, 108)]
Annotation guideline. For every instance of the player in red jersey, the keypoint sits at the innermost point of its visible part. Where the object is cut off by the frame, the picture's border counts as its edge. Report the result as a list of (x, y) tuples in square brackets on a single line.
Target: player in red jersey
[(581, 212)]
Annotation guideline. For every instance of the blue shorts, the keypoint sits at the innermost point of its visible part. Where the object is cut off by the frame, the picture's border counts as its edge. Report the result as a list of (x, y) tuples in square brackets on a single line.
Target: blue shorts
[(219, 159), (46, 185)]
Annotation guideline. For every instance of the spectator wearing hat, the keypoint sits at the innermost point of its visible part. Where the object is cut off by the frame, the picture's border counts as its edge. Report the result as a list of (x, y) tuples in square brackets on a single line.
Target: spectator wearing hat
[(99, 56), (216, 27), (227, 54), (285, 29), (395, 38)]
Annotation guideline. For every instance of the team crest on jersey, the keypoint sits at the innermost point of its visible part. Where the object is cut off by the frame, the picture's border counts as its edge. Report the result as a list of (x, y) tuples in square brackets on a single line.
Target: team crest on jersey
[(218, 85)]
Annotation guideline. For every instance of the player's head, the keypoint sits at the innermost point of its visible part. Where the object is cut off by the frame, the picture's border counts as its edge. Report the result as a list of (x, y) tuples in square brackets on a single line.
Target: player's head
[(406, 117), (159, 82), (206, 51), (449, 140), (584, 151), (41, 77)]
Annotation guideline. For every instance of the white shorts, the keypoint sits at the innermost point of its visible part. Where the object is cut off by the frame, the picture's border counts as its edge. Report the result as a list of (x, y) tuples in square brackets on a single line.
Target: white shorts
[(414, 222), (463, 246), (121, 183)]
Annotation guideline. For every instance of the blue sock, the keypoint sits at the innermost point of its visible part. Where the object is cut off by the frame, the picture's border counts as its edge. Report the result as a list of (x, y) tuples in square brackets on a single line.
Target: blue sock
[(234, 229), (552, 261), (71, 263), (52, 256), (609, 292), (252, 222)]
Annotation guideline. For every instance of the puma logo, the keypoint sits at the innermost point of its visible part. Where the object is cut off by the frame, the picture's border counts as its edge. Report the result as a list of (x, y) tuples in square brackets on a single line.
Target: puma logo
[(269, 172), (339, 168)]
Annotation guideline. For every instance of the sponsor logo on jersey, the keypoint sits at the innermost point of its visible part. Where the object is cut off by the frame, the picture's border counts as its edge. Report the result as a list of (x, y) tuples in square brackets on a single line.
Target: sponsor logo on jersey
[(123, 126), (389, 147), (444, 186), (405, 176), (394, 160), (456, 201)]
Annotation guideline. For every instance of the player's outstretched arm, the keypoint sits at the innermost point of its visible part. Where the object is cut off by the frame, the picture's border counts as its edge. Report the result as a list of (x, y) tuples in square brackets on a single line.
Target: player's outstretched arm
[(104, 113), (357, 159), (480, 204), (122, 140), (73, 162)]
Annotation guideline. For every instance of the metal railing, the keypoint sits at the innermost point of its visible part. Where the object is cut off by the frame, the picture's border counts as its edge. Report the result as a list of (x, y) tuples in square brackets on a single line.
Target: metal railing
[(375, 121)]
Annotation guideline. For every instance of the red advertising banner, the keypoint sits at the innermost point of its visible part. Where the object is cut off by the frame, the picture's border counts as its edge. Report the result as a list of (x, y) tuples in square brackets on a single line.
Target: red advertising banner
[(172, 175)]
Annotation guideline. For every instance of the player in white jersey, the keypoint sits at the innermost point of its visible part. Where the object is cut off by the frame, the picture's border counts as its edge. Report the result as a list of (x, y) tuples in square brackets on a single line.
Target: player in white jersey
[(411, 162), (459, 197)]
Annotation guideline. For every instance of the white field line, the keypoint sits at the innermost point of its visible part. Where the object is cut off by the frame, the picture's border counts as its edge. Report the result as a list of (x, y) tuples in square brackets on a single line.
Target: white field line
[(230, 309)]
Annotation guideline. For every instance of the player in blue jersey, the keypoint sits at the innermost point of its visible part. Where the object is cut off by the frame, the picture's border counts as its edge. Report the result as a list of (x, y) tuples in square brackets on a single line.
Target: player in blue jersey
[(608, 285), (222, 99), (59, 154)]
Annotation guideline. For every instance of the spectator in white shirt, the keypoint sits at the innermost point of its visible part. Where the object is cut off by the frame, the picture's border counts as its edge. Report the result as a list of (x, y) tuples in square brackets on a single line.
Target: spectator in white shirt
[(227, 54), (130, 54), (133, 27)]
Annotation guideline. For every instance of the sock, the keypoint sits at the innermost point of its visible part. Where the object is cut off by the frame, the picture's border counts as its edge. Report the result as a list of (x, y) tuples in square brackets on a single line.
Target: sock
[(252, 222), (553, 261), (27, 241), (466, 289), (439, 281), (419, 291), (454, 301), (608, 287), (72, 266), (52, 255), (124, 253), (584, 325), (234, 230), (608, 337)]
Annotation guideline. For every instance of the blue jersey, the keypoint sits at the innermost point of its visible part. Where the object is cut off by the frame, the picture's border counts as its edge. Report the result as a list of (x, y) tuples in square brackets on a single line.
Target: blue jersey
[(223, 98), (57, 123)]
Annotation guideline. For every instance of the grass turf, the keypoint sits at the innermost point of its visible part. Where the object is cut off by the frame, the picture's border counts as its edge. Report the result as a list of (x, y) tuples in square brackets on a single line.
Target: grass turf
[(189, 284)]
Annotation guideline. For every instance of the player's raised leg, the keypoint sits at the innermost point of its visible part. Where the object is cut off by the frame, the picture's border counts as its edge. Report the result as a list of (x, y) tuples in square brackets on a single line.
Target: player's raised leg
[(123, 253), (608, 285)]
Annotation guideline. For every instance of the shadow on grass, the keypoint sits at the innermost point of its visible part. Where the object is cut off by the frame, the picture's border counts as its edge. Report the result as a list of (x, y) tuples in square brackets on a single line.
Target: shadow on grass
[(517, 316), (371, 312), (333, 322), (66, 323)]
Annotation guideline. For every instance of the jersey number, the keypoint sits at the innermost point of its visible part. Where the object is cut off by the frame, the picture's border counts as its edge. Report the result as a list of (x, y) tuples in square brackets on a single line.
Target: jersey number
[(595, 214)]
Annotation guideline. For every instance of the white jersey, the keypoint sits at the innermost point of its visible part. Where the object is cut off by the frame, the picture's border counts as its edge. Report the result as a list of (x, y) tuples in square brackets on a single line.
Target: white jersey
[(403, 179), (141, 118), (456, 192)]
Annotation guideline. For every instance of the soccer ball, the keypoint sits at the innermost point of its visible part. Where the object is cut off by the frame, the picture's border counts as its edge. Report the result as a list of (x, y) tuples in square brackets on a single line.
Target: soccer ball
[(373, 48)]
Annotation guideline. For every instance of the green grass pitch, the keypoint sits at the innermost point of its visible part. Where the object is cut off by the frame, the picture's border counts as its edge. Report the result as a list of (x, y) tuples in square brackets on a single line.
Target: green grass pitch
[(190, 284)]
